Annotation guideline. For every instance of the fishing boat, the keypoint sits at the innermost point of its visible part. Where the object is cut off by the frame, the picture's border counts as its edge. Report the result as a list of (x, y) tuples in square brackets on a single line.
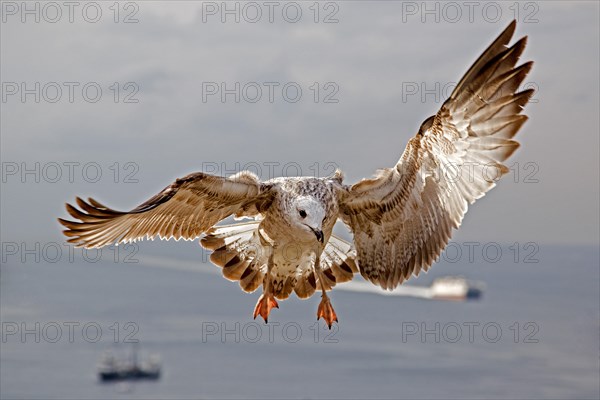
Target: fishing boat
[(111, 368)]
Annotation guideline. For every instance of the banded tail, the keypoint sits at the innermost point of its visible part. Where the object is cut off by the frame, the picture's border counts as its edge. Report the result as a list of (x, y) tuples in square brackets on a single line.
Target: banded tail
[(238, 250)]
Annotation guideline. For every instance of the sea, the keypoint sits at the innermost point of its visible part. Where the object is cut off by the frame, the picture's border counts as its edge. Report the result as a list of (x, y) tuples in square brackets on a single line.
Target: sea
[(533, 334)]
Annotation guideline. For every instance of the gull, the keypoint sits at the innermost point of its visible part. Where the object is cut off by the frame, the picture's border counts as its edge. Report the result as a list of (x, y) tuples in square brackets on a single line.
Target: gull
[(401, 219)]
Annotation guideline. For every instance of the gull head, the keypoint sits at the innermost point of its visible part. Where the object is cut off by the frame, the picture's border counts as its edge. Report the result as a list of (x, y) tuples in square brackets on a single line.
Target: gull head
[(307, 215)]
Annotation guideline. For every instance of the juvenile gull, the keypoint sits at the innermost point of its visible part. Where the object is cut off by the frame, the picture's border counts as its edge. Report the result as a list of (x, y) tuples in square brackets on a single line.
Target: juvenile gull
[(401, 219)]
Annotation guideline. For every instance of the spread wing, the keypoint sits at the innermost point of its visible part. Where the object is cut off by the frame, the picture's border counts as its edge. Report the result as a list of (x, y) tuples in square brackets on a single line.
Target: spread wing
[(185, 209), (403, 218)]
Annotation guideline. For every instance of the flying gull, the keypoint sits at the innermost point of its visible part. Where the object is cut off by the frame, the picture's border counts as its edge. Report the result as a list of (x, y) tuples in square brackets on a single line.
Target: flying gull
[(401, 219)]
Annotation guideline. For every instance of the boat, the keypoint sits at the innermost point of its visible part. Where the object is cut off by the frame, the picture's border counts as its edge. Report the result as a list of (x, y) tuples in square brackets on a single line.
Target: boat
[(111, 368), (455, 288)]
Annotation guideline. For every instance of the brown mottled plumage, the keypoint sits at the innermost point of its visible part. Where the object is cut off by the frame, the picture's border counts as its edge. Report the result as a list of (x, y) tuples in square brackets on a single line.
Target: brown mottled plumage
[(401, 219)]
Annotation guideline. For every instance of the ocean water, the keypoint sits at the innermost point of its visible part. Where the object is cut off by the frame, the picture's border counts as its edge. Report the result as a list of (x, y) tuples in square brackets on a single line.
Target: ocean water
[(534, 334)]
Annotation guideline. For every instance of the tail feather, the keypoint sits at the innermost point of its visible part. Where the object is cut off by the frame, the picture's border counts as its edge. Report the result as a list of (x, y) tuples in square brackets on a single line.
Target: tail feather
[(252, 278), (237, 250), (235, 268), (283, 288), (306, 284), (339, 257), (337, 266)]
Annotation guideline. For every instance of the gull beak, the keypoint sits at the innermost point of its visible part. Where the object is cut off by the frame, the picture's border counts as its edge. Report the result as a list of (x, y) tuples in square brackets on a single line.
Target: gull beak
[(319, 234)]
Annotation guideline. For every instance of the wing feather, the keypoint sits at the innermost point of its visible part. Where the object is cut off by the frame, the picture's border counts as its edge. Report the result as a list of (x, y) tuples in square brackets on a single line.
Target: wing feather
[(403, 218), (184, 209)]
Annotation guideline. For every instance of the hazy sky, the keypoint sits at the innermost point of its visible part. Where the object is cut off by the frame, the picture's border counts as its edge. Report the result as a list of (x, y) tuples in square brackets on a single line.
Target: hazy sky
[(367, 81)]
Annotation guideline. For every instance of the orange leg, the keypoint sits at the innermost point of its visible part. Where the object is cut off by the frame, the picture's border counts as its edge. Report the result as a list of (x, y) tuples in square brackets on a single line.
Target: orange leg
[(325, 309), (266, 301)]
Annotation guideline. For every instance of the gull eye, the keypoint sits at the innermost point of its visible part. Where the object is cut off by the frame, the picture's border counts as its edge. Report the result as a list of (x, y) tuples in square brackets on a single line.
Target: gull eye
[(302, 213)]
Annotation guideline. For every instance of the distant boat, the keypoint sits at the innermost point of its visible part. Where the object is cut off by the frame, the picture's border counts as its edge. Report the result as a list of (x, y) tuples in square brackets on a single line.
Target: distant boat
[(110, 368), (455, 288), (446, 288)]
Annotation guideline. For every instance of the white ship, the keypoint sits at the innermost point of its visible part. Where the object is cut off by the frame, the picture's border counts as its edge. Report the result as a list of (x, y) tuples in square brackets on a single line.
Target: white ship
[(446, 288), (455, 288)]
